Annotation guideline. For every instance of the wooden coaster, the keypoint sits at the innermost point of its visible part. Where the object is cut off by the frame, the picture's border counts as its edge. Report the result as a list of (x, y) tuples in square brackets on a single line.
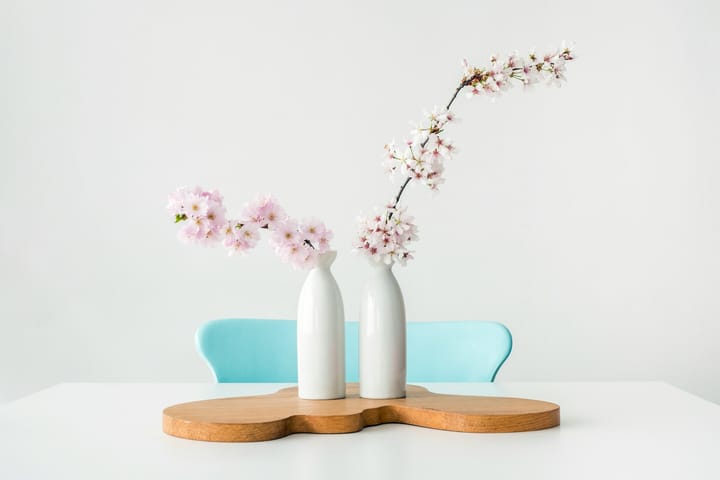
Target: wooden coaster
[(267, 417)]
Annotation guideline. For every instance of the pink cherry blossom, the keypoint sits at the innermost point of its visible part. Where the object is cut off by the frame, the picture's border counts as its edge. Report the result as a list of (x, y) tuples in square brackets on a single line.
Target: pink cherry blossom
[(323, 241), (211, 236), (227, 233), (386, 235), (298, 254), (286, 233), (240, 237), (237, 245), (312, 230), (187, 233), (249, 233), (176, 204), (196, 206), (265, 212), (215, 215), (213, 196)]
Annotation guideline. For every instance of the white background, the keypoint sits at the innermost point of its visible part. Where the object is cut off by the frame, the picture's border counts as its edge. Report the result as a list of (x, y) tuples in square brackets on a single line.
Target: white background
[(584, 218)]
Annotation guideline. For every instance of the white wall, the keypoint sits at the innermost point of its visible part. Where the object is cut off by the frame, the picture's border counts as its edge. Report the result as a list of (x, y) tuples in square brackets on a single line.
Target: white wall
[(585, 219)]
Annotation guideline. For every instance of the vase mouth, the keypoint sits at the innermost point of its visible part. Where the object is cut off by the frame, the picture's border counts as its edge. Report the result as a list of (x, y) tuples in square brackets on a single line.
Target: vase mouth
[(326, 259), (381, 264)]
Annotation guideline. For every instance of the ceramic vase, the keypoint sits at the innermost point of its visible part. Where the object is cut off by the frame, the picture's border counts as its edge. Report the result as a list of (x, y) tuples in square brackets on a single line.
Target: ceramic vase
[(382, 336), (321, 334)]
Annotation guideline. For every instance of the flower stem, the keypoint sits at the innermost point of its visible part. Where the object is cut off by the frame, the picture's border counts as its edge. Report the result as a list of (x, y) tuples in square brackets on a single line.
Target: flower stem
[(402, 189), (457, 90)]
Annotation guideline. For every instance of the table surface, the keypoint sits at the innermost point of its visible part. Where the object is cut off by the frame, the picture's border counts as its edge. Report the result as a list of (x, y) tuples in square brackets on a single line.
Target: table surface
[(612, 430)]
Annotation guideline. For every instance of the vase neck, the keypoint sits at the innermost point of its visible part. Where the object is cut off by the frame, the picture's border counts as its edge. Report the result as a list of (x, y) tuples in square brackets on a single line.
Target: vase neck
[(326, 259), (382, 266)]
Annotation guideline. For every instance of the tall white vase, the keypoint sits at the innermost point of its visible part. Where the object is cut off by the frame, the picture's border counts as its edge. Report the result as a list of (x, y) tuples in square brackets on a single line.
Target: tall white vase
[(382, 336), (321, 334)]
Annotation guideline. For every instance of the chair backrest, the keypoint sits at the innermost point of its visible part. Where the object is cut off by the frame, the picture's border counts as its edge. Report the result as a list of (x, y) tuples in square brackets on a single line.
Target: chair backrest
[(265, 351), (250, 350)]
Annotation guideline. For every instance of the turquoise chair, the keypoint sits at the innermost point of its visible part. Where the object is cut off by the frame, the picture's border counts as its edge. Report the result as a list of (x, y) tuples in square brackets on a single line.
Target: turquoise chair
[(265, 351)]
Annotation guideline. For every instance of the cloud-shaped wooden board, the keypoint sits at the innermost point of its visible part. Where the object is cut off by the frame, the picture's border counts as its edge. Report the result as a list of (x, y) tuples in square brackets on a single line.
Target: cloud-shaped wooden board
[(267, 417)]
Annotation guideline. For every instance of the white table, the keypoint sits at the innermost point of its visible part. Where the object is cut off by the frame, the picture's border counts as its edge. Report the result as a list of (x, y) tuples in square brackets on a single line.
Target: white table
[(623, 430)]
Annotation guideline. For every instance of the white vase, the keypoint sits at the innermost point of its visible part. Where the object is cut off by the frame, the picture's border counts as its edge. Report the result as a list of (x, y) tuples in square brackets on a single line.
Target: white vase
[(382, 336), (321, 334)]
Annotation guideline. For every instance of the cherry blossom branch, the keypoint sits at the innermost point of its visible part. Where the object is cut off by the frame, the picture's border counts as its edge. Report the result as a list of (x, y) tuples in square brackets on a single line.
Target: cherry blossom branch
[(239, 226), (385, 236), (299, 243)]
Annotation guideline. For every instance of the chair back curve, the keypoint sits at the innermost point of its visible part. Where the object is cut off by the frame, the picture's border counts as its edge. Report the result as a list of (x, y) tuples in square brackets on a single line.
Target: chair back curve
[(265, 351), (249, 350)]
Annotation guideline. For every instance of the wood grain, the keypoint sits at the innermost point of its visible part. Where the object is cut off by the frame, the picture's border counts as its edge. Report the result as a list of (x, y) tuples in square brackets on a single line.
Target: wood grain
[(268, 417)]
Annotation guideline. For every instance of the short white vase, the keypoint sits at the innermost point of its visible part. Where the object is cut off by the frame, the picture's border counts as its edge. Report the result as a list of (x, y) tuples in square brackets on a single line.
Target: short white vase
[(382, 336), (321, 334)]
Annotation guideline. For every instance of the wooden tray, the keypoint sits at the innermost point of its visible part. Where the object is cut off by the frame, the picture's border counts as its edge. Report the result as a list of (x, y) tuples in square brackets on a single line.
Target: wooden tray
[(267, 417)]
